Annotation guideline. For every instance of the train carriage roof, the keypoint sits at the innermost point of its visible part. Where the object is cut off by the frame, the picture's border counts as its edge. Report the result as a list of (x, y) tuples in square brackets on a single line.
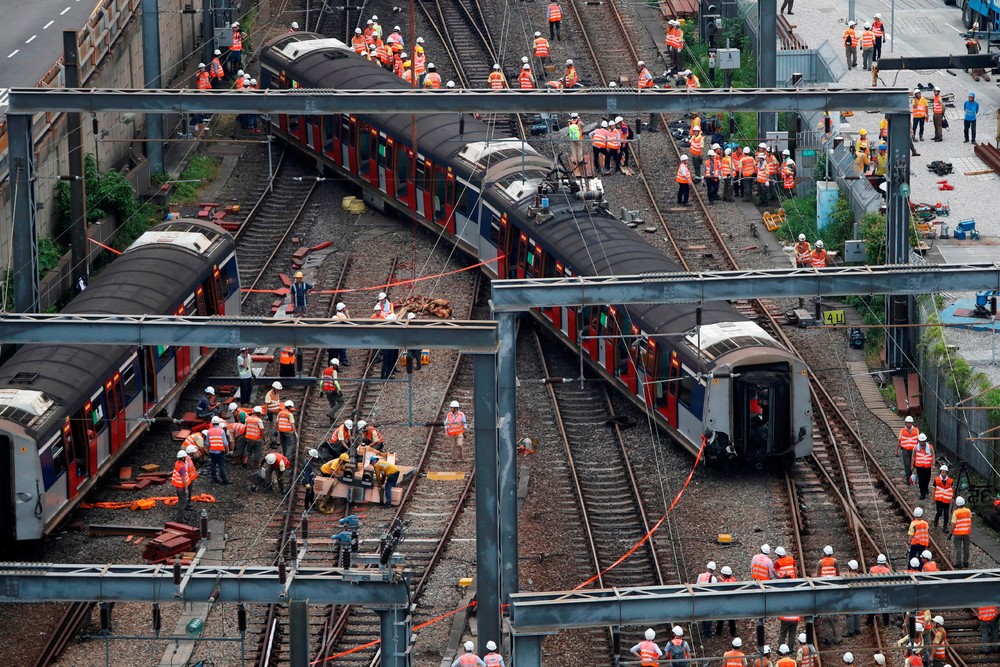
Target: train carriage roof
[(154, 275)]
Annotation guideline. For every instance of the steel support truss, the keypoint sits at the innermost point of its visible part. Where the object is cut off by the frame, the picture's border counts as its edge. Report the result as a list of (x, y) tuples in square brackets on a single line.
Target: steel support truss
[(521, 294)]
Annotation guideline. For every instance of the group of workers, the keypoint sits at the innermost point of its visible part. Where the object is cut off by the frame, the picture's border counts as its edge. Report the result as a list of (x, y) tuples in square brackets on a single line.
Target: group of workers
[(470, 659), (389, 51), (869, 42), (737, 169), (807, 255)]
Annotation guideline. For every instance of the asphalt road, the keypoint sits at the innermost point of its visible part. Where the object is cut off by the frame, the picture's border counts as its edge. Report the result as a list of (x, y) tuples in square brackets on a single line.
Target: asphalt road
[(31, 36)]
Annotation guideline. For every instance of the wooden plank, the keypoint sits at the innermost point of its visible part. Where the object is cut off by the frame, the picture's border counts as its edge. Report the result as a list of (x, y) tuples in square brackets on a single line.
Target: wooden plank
[(899, 384)]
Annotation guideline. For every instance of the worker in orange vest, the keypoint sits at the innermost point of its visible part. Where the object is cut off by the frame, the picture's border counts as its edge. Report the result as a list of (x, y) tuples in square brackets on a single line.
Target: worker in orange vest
[(234, 58), (286, 362), (988, 628), (923, 462), (683, 179), (395, 40), (216, 71), (272, 470), (359, 43), (827, 567), (525, 80), (712, 166), (878, 29), (696, 146), (645, 82), (613, 163), (788, 175), (803, 252), (785, 660), (819, 255), (919, 533), (599, 139), (728, 169), (691, 81), (881, 567), (927, 563), (218, 445), (764, 659), (272, 401), (748, 168), (554, 14), (647, 650), (851, 45), (961, 529), (675, 44), (570, 78), (203, 79), (541, 47), (432, 79), (907, 443), (469, 658), (286, 427), (181, 479), (254, 437), (867, 47), (919, 112), (944, 493), (331, 385), (734, 657), (455, 424), (763, 180), (937, 108), (496, 78)]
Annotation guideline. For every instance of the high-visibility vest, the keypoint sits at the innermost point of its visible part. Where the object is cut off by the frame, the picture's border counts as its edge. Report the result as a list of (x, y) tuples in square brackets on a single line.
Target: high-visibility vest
[(929, 566), (493, 660), (789, 177), (862, 145), (239, 85), (759, 568), (919, 107), (255, 428), (645, 78), (454, 423), (395, 42), (273, 400), (732, 658), (808, 656), (385, 55), (671, 38), (216, 439), (571, 78), (850, 37), (215, 69), (432, 80), (867, 39), (963, 521), (179, 478), (877, 28), (819, 258), (785, 567), (614, 139), (987, 613), (420, 65), (285, 420), (407, 74), (330, 382), (705, 578), (749, 167), (600, 137), (541, 47), (772, 165), (554, 12), (525, 80), (786, 662), (921, 534), (697, 145), (803, 253), (883, 129), (711, 172), (648, 653), (496, 80), (360, 44), (938, 105), (828, 567), (341, 434), (762, 175), (281, 462), (908, 437), (915, 660), (923, 456), (944, 489), (204, 81), (692, 82), (468, 660), (237, 41), (683, 173), (727, 166), (192, 471), (880, 569), (790, 619), (195, 439), (287, 356)]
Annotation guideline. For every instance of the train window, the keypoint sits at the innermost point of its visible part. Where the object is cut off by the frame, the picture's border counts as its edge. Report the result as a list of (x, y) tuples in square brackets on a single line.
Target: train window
[(221, 284), (390, 151), (345, 130), (329, 127), (202, 305), (440, 189), (449, 192), (293, 122), (495, 231), (161, 350), (470, 199), (364, 145), (58, 451), (685, 388), (130, 383), (402, 174)]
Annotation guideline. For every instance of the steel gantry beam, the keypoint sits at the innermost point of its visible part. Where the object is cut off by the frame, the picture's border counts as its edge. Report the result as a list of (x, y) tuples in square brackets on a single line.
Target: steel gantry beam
[(522, 294), (591, 100)]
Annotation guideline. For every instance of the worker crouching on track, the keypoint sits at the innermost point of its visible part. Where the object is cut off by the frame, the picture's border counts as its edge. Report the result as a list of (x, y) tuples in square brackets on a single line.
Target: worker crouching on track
[(386, 478), (272, 471)]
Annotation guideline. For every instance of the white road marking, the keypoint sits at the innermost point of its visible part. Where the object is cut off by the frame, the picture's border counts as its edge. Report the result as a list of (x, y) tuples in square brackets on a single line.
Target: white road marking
[(31, 39), (14, 53), (46, 26), (63, 11), (4, 97)]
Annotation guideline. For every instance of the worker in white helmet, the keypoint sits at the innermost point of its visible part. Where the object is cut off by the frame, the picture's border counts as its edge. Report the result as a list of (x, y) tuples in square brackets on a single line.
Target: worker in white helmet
[(647, 651), (677, 650), (961, 527), (181, 478), (867, 40), (879, 659), (761, 565), (342, 438), (919, 533), (342, 313), (272, 472), (273, 402), (455, 424), (853, 620), (294, 27), (819, 257), (735, 655), (469, 658), (286, 428), (881, 566), (944, 491), (208, 405), (383, 306), (244, 368), (923, 464), (829, 623), (493, 659), (807, 653), (850, 39), (707, 577), (726, 577), (803, 252)]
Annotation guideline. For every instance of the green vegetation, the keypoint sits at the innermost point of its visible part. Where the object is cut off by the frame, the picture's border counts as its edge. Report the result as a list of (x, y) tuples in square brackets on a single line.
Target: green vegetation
[(200, 171), (110, 195), (49, 253), (145, 216), (801, 219)]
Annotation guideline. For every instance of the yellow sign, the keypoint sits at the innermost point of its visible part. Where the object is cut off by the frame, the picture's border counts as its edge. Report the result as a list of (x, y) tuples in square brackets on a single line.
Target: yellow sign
[(834, 317)]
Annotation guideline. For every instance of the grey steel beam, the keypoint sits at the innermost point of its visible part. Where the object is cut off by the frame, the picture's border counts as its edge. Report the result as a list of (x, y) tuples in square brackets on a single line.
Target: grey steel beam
[(506, 360), (152, 77), (984, 60), (526, 651), (523, 294), (897, 226), (394, 627), (767, 60), (488, 528), (535, 613), (24, 255), (298, 633), (476, 336), (315, 101), (80, 268), (35, 582)]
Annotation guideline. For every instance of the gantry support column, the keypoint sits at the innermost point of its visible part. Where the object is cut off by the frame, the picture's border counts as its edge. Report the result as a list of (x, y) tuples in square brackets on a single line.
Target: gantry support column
[(898, 344), (298, 632), (487, 493), (767, 59), (151, 74), (507, 404), (24, 257)]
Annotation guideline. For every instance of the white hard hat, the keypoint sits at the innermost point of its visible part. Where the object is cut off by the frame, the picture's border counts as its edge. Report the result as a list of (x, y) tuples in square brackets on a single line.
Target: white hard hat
[(939, 620), (574, 115), (737, 642), (453, 404), (746, 150), (783, 649), (802, 637), (210, 390), (687, 72), (525, 66), (191, 449), (253, 81), (396, 28), (915, 562), (944, 468), (258, 410), (232, 406), (357, 31), (960, 501), (374, 17), (916, 91), (335, 361), (711, 152), (878, 16), (786, 152), (908, 420), (377, 308), (765, 548), (201, 65), (828, 550), (684, 158), (216, 420), (879, 658), (762, 145), (918, 511), (569, 61), (922, 437), (711, 565), (848, 657), (641, 63), (469, 646), (524, 59), (362, 423), (919, 627), (850, 23), (496, 66), (819, 244), (289, 404), (313, 453), (295, 24), (381, 295), (240, 72), (779, 551), (936, 89), (678, 631), (491, 645), (182, 454), (390, 316), (650, 634), (765, 650), (349, 423), (236, 24), (218, 52), (276, 385), (726, 570), (867, 25), (431, 66), (716, 146), (802, 237), (882, 560), (538, 34), (926, 553), (853, 564), (619, 119), (411, 316), (271, 458), (729, 151), (604, 123)]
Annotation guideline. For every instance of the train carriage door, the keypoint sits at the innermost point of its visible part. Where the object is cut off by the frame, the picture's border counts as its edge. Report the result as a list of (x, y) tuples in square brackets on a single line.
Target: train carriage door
[(132, 392), (631, 368), (761, 417), (116, 411), (310, 132), (404, 186), (371, 175), (383, 159), (98, 433), (424, 185), (347, 143), (331, 142), (522, 255), (555, 315), (78, 470), (503, 246), (673, 385), (216, 293), (591, 326), (444, 198)]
